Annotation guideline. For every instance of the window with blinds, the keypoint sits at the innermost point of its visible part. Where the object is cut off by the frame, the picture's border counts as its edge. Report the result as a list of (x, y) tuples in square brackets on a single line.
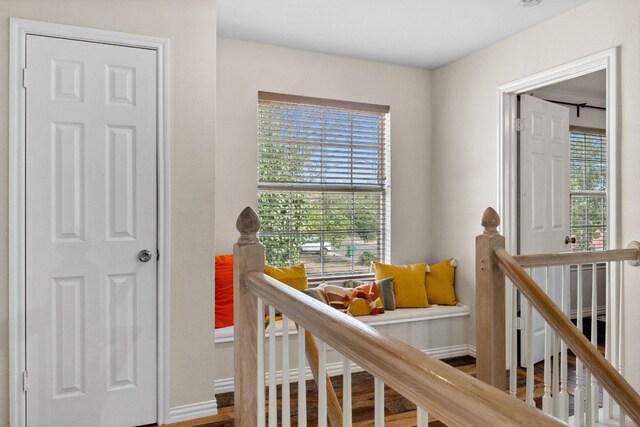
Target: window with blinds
[(323, 183), (588, 190)]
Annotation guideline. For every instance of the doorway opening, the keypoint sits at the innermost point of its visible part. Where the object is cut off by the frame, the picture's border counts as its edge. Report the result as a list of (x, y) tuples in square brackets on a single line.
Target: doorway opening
[(562, 197), (603, 64)]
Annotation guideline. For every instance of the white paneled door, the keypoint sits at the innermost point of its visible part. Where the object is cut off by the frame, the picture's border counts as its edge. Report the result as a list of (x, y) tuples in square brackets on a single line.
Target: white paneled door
[(91, 213), (544, 200)]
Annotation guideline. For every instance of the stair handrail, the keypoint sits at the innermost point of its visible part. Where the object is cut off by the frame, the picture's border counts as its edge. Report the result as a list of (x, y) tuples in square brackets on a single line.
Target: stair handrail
[(630, 254), (451, 395), (493, 262)]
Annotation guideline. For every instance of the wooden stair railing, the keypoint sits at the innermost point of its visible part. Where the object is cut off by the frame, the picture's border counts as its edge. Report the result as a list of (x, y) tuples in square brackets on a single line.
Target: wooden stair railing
[(449, 394), (493, 262), (334, 411), (248, 256)]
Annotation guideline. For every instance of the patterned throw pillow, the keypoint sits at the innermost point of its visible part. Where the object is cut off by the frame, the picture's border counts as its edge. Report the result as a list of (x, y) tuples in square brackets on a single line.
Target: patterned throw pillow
[(368, 290), (387, 293), (386, 290), (337, 296), (317, 293)]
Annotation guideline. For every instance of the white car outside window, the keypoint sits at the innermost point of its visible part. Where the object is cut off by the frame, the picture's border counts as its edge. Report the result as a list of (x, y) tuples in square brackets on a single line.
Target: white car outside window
[(314, 247)]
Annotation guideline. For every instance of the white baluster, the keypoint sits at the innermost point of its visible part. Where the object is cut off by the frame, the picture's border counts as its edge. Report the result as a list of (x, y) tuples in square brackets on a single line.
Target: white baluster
[(273, 391), (578, 398), (286, 403), (594, 340), (346, 392), (260, 372), (609, 339), (563, 396), (547, 403), (422, 418), (322, 384), (513, 366), (378, 392), (529, 354), (621, 333), (556, 374), (588, 419), (302, 381)]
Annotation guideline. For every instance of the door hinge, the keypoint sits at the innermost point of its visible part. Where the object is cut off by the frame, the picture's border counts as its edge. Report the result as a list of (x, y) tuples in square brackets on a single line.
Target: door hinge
[(519, 125), (24, 77), (158, 254), (25, 381), (519, 323)]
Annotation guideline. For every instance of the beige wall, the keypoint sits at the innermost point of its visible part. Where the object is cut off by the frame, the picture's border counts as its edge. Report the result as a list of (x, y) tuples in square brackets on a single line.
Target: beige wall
[(191, 28), (245, 68), (465, 128)]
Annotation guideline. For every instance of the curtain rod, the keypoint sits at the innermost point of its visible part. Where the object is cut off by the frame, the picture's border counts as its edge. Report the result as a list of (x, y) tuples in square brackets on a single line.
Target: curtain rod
[(578, 106), (573, 104)]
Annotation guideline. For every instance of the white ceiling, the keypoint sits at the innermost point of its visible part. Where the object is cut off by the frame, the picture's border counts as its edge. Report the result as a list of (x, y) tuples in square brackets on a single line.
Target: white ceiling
[(420, 33)]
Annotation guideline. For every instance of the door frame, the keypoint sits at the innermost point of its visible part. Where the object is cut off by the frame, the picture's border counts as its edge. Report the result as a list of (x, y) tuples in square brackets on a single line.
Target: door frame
[(508, 153), (19, 29)]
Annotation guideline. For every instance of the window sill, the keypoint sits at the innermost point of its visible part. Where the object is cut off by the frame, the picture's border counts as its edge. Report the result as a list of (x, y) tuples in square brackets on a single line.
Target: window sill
[(339, 279)]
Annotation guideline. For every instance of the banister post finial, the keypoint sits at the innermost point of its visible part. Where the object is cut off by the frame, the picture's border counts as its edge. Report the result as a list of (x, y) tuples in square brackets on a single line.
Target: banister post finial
[(248, 224), (490, 304), (490, 221), (248, 256)]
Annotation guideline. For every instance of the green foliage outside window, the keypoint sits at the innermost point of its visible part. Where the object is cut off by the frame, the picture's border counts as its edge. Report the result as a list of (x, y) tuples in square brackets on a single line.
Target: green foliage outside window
[(588, 190), (312, 168)]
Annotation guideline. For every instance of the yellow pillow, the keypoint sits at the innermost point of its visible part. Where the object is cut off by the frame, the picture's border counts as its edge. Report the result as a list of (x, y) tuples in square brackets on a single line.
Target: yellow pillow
[(440, 282), (359, 307), (408, 282), (295, 276)]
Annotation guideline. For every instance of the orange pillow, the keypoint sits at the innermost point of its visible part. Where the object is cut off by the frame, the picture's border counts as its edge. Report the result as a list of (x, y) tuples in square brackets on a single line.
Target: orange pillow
[(367, 290), (224, 291)]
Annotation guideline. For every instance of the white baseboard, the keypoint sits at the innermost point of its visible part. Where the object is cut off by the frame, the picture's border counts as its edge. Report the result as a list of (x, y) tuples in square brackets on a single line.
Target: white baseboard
[(192, 411), (472, 350), (586, 312), (225, 385)]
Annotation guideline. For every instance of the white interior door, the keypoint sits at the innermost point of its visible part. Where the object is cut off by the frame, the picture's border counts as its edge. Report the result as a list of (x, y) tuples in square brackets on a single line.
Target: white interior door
[(90, 209), (544, 201)]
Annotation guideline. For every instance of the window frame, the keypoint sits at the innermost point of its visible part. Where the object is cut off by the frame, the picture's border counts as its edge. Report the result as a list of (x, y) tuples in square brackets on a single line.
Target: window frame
[(382, 170), (591, 193)]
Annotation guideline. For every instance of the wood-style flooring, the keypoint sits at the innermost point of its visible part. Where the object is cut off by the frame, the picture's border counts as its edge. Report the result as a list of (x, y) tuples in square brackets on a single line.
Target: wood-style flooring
[(398, 410)]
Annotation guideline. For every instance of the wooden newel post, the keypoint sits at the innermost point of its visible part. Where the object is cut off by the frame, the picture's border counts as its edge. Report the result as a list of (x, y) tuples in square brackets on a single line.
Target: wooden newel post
[(490, 305), (248, 256)]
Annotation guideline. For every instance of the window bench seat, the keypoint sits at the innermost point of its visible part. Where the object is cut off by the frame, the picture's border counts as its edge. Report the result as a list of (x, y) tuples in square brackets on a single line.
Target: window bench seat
[(398, 316), (440, 331)]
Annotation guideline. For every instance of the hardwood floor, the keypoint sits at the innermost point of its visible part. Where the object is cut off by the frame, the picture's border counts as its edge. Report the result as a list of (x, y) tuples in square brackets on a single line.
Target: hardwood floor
[(399, 412)]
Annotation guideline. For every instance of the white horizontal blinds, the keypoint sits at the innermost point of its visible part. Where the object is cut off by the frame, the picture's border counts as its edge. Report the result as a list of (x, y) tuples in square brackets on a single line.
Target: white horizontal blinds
[(322, 182), (588, 188)]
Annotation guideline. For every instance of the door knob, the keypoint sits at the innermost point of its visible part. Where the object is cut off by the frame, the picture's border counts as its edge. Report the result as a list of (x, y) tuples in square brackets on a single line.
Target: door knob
[(568, 240), (144, 255)]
